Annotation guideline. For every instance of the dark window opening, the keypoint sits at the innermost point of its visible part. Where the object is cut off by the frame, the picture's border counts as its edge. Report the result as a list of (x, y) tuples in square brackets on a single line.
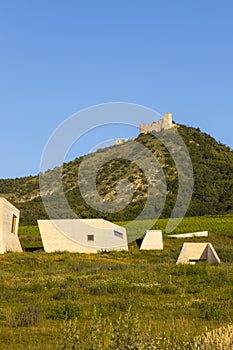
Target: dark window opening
[(118, 234), (13, 225), (193, 261), (90, 238)]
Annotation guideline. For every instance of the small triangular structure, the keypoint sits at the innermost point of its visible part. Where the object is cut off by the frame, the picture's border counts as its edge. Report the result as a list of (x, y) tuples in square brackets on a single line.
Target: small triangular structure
[(191, 253), (153, 239), (9, 223)]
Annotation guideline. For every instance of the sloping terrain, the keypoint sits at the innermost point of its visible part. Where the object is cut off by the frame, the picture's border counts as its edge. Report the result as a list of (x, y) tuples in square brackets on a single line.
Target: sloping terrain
[(213, 181)]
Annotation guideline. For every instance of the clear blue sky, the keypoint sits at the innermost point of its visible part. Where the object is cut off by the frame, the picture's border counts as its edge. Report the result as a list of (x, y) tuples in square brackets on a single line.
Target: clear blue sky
[(57, 57)]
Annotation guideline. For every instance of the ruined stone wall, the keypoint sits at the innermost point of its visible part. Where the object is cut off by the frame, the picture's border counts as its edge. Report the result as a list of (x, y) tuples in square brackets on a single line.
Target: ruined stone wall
[(120, 141), (162, 124), (156, 126)]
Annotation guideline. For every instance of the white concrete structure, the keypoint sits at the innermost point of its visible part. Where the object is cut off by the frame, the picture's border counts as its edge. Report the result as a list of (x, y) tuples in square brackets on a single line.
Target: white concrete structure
[(82, 235), (191, 253), (190, 235), (9, 223), (153, 239)]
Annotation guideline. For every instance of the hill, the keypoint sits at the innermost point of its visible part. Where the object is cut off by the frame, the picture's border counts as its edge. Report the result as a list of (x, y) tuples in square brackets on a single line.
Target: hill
[(212, 193)]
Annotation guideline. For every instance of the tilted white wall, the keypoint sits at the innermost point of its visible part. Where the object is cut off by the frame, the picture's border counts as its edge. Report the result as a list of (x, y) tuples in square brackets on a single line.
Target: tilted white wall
[(190, 235), (9, 241), (153, 239), (71, 235)]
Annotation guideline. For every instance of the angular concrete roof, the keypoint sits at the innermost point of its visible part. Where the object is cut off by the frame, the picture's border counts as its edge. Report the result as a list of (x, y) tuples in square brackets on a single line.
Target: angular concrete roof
[(194, 252), (153, 239), (82, 235)]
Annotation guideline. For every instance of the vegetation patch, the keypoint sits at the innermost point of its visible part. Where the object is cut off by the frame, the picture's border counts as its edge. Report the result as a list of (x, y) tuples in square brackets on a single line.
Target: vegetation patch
[(120, 300)]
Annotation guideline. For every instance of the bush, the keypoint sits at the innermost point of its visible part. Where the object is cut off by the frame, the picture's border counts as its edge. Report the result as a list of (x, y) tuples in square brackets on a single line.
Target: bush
[(29, 317), (64, 311), (214, 311)]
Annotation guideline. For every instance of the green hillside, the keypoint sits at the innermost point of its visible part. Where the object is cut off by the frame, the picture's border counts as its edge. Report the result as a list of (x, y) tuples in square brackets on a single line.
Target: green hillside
[(213, 181)]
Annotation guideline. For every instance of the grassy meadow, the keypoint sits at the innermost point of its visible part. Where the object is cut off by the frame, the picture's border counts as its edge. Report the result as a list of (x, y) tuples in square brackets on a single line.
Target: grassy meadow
[(137, 300)]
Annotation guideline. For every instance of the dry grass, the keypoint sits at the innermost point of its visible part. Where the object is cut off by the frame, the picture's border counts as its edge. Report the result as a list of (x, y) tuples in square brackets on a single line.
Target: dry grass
[(219, 339)]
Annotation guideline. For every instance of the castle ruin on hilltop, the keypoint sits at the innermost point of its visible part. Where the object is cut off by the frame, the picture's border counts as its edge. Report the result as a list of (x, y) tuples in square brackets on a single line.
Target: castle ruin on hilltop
[(162, 124)]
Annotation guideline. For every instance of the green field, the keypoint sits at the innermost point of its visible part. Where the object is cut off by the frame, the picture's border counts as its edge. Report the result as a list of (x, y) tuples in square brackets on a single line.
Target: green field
[(119, 300)]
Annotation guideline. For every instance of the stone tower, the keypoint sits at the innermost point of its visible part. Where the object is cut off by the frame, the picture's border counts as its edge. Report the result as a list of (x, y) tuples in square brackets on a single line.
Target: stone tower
[(167, 120)]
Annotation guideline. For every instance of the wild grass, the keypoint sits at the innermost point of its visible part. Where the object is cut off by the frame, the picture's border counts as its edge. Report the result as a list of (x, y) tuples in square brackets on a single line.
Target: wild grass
[(139, 299), (126, 334), (221, 338), (30, 237), (216, 225)]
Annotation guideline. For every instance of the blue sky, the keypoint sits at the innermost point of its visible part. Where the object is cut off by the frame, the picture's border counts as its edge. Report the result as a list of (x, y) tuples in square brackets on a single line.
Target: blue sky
[(57, 57)]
